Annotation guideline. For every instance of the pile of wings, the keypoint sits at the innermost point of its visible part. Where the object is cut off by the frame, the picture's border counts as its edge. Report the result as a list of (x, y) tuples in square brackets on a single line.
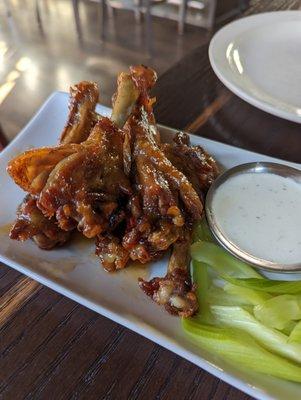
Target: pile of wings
[(115, 181)]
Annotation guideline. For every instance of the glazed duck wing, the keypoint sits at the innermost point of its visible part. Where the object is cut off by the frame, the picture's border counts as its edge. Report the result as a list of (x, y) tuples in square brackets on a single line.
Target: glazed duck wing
[(31, 169)]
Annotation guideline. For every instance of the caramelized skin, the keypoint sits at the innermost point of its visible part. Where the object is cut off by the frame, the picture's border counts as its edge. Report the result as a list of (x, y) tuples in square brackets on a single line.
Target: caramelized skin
[(79, 193), (175, 291), (31, 223), (147, 239), (115, 181), (169, 201), (32, 170), (195, 163), (83, 100), (159, 216), (161, 182), (112, 254)]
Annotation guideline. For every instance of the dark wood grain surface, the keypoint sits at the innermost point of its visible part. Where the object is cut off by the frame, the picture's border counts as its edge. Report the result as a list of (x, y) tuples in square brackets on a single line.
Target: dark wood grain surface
[(202, 105), (52, 348)]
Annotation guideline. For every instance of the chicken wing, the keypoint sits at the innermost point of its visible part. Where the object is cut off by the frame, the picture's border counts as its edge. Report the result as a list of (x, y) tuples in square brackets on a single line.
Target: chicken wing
[(82, 103), (193, 161), (175, 291), (31, 169), (79, 193), (32, 177), (31, 223), (115, 181)]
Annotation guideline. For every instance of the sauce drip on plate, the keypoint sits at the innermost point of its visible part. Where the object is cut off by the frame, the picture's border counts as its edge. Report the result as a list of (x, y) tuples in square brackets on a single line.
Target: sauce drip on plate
[(261, 214)]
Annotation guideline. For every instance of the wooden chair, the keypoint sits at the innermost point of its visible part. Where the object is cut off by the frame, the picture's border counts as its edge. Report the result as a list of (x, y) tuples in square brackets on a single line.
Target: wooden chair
[(148, 8)]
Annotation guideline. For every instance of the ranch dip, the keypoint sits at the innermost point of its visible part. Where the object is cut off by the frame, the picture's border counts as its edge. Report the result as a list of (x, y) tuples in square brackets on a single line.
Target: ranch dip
[(261, 214)]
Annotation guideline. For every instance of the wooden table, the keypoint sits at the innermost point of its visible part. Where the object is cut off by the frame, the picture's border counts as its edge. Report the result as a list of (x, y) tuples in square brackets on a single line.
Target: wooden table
[(53, 348)]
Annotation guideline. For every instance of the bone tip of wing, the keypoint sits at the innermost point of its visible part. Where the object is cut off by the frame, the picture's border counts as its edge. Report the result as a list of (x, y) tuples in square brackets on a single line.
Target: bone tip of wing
[(85, 88), (148, 74)]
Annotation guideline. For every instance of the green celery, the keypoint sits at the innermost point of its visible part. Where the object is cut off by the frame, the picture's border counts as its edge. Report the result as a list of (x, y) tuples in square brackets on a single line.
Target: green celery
[(266, 285), (221, 261), (241, 350), (278, 311), (271, 339)]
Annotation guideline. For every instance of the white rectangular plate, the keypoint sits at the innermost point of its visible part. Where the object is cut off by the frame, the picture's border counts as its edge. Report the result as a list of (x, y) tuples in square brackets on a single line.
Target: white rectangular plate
[(75, 272)]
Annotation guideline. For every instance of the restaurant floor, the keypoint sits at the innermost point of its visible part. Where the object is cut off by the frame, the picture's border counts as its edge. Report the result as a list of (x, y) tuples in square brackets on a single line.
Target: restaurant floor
[(37, 59)]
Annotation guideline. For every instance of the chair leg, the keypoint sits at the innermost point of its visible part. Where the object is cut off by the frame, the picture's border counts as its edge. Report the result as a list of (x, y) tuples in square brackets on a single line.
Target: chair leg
[(38, 13), (148, 25), (3, 140), (138, 13), (103, 6), (7, 8), (75, 4), (111, 11), (182, 16), (211, 14)]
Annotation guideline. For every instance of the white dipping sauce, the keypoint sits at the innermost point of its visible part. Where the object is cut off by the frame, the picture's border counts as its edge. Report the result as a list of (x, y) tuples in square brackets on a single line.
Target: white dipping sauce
[(261, 214)]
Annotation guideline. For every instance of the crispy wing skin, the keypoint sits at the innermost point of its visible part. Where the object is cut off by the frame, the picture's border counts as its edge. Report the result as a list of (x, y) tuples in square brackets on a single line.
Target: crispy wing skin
[(117, 182), (169, 203), (175, 291), (83, 99), (78, 193), (147, 240), (31, 223), (195, 163), (30, 170), (112, 254), (161, 183)]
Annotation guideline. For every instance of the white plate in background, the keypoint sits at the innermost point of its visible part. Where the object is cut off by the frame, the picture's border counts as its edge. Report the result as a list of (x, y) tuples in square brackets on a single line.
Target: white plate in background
[(75, 272), (259, 59)]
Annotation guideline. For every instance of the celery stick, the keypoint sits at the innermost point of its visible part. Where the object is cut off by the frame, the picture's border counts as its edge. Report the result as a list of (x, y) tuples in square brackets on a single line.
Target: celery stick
[(289, 327), (266, 285), (273, 340), (295, 336), (241, 350), (278, 311), (202, 231), (252, 296), (218, 296), (202, 281), (221, 261)]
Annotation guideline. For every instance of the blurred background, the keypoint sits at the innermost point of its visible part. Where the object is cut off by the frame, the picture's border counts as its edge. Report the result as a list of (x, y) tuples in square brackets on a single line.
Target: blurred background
[(47, 45)]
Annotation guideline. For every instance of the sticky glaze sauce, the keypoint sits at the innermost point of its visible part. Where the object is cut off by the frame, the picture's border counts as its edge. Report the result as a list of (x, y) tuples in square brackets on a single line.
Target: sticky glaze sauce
[(261, 214)]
